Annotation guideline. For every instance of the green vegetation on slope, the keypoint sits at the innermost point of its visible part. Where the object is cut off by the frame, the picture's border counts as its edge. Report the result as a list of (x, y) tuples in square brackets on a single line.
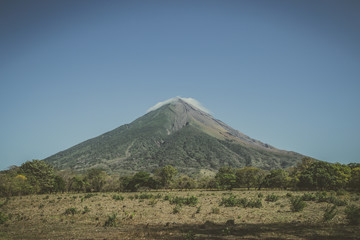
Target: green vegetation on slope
[(173, 134)]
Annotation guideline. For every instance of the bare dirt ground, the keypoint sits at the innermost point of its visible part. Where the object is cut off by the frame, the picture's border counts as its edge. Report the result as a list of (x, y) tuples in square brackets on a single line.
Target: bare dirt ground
[(88, 216)]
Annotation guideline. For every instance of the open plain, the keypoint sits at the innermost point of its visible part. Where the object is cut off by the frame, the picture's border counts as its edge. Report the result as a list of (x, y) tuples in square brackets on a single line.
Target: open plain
[(174, 215)]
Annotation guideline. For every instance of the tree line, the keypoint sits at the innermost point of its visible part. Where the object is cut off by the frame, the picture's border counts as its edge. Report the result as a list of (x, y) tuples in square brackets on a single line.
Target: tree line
[(36, 177)]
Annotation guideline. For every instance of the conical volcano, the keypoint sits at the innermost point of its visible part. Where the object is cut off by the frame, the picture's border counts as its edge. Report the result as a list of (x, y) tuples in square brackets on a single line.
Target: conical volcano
[(177, 132)]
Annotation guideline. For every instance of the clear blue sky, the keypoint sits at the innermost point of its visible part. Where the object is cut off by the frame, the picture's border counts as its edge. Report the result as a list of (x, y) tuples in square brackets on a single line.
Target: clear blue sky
[(284, 72)]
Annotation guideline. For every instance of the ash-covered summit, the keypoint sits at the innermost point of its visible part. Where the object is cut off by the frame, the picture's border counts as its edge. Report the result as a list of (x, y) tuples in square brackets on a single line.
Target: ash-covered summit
[(178, 132)]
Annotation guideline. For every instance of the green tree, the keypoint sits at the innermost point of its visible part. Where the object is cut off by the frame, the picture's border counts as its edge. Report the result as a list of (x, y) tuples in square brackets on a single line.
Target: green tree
[(59, 184), (139, 180), (278, 178), (96, 179), (166, 175), (124, 183), (77, 184), (325, 176), (5, 183), (226, 178), (355, 179), (185, 182), (249, 177), (40, 175)]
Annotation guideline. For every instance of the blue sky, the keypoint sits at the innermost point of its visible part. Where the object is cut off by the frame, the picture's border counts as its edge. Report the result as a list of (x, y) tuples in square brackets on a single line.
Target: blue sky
[(283, 72)]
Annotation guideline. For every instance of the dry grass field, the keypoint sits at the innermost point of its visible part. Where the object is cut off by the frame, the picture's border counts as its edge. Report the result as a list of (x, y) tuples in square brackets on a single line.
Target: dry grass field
[(154, 215)]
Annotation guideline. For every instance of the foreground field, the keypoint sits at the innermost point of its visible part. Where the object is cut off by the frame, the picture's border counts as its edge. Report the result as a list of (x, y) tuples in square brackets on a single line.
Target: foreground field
[(160, 215)]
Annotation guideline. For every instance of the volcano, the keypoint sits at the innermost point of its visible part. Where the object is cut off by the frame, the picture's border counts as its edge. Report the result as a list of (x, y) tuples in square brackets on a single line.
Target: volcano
[(178, 132)]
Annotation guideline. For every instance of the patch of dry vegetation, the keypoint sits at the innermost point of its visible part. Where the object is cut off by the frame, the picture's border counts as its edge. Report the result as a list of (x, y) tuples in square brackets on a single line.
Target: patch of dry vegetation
[(150, 215)]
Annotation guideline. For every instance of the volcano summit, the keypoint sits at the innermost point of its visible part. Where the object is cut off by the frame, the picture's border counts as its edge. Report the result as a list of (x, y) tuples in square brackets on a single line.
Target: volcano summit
[(178, 132)]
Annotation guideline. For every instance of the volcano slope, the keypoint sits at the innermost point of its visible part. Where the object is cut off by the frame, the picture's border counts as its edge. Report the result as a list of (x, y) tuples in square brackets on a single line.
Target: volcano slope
[(178, 134)]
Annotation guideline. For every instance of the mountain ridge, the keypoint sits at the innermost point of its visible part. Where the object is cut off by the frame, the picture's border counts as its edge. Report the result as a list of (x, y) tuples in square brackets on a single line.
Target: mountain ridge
[(176, 133)]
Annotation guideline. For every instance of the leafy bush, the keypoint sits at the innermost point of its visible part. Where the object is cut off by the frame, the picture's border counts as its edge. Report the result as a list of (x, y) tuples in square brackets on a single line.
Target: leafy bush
[(176, 209), (330, 213), (353, 214), (117, 197), (3, 218), (254, 203), (308, 197), (86, 210), (289, 195), (71, 211), (338, 202), (111, 221), (341, 192), (297, 204), (230, 201), (145, 196), (272, 198), (190, 201), (321, 197)]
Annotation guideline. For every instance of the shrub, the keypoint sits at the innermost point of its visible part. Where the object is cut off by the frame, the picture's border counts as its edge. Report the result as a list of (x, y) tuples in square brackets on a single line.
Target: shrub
[(71, 211), (254, 203), (289, 195), (338, 202), (321, 197), (308, 197), (230, 201), (272, 198), (329, 213), (176, 209), (297, 204), (3, 218), (117, 197), (111, 221), (341, 192), (190, 201), (353, 214), (89, 195), (260, 195), (145, 196)]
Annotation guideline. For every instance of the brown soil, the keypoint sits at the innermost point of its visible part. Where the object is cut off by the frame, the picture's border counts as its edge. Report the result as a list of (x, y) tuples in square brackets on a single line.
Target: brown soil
[(43, 217)]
